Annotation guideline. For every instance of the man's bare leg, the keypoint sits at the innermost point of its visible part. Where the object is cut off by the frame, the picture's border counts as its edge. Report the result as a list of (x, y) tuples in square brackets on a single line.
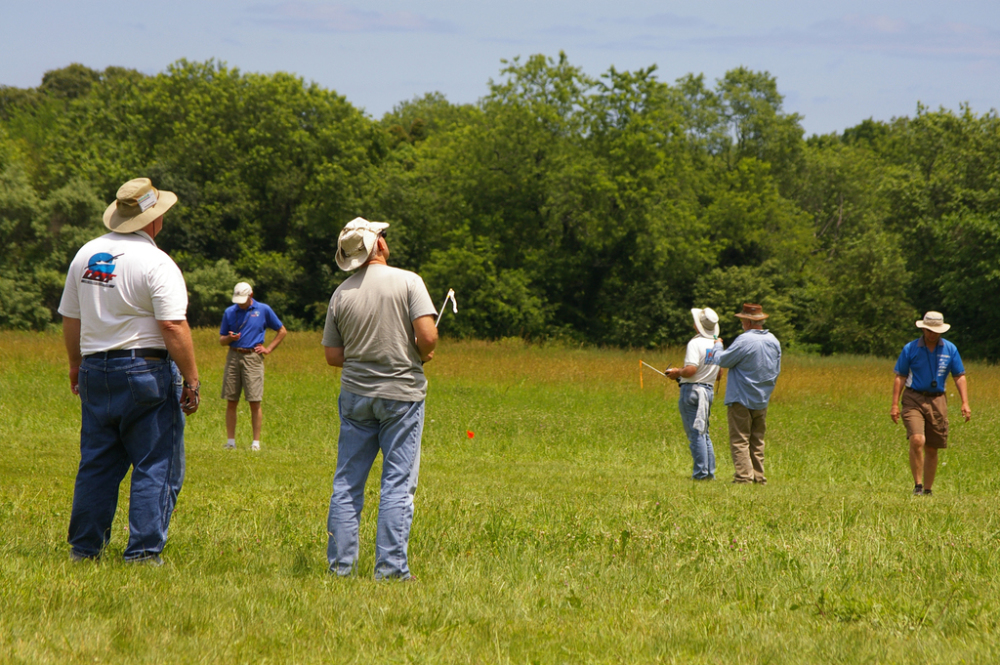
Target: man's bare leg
[(917, 458), (256, 419), (930, 466)]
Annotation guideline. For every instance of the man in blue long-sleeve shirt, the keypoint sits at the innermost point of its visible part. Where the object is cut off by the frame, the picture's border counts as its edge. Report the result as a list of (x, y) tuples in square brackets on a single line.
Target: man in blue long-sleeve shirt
[(754, 361)]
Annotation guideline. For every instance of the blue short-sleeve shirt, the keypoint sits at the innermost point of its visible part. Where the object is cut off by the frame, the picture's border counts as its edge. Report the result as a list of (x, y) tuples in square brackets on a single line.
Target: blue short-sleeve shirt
[(250, 323), (927, 369)]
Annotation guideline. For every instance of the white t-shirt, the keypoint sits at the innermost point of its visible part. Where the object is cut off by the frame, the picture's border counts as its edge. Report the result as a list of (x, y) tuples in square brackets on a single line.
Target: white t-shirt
[(697, 350), (371, 315), (119, 286)]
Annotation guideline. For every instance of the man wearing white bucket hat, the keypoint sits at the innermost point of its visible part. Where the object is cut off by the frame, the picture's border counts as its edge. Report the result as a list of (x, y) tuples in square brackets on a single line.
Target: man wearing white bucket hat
[(124, 311), (696, 379), (923, 368), (380, 330)]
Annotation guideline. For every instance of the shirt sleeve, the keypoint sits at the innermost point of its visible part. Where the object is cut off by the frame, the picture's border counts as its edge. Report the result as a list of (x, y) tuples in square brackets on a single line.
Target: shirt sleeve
[(734, 354), (168, 291), (957, 368), (331, 333), (272, 320), (69, 305), (902, 367), (420, 300), (693, 354)]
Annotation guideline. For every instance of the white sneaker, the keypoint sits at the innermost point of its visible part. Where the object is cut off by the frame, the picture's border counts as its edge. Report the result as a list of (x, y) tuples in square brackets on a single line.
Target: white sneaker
[(230, 446), (254, 446)]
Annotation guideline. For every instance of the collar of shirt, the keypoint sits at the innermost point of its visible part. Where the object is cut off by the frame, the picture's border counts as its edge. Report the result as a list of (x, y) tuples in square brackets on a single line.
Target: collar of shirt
[(920, 342)]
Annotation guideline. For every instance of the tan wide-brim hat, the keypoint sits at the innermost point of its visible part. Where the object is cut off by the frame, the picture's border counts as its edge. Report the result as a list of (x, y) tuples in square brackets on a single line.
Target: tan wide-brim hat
[(357, 241), (934, 321), (706, 321), (137, 204), (752, 312)]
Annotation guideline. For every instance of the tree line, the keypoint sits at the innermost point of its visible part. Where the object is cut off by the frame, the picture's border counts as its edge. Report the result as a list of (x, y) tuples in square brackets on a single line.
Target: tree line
[(559, 206)]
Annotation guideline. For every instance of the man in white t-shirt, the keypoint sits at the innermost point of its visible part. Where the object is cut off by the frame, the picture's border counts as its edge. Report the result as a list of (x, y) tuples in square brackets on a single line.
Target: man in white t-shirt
[(696, 379), (380, 330), (131, 361)]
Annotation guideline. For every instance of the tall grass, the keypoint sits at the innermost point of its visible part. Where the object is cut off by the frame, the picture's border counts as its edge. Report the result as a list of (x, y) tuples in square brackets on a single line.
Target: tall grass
[(565, 530)]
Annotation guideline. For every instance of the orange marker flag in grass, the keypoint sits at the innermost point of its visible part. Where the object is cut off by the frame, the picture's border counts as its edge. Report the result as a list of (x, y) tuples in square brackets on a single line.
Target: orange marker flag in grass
[(640, 374), (469, 433)]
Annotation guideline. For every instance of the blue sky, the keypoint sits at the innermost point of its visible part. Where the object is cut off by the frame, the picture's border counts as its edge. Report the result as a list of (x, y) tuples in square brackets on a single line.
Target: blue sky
[(836, 63)]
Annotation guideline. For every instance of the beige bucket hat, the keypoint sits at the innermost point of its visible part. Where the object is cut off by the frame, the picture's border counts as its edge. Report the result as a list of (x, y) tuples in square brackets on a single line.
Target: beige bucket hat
[(706, 321), (934, 321), (137, 204), (356, 242)]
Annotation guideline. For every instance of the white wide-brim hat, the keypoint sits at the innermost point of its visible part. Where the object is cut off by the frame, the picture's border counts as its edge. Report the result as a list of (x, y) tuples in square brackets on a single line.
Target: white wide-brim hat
[(934, 321), (137, 204), (357, 241), (706, 321)]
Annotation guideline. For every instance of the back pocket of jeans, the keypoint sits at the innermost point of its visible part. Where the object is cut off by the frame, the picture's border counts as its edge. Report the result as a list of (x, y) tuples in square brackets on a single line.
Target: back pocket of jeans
[(148, 386)]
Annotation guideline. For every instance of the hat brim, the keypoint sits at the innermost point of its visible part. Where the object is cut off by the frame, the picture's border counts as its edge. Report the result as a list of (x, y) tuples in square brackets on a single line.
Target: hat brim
[(752, 317), (239, 300), (121, 224), (696, 315), (370, 239), (944, 327)]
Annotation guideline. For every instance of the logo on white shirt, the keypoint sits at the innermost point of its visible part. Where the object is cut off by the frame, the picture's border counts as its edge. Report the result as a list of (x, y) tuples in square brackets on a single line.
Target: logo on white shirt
[(100, 270)]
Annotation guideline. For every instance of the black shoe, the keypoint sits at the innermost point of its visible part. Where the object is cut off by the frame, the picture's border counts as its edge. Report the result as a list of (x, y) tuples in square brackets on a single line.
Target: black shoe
[(151, 559), (918, 489), (927, 492)]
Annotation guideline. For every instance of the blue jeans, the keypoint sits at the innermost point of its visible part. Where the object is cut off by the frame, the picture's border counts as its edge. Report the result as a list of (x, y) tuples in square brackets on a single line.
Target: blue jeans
[(131, 417), (701, 444), (367, 425)]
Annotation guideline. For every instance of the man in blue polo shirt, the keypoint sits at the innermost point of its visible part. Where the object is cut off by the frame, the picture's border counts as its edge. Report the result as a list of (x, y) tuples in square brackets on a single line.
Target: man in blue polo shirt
[(242, 330), (923, 367)]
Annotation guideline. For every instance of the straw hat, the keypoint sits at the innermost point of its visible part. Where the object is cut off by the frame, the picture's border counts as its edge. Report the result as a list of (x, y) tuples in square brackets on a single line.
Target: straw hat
[(357, 241), (137, 204), (706, 321), (934, 321), (752, 312)]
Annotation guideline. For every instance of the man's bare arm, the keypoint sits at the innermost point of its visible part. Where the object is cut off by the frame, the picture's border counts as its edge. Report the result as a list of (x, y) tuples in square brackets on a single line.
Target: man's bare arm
[(963, 392), (897, 390), (426, 334), (334, 355), (177, 339), (71, 338), (266, 350)]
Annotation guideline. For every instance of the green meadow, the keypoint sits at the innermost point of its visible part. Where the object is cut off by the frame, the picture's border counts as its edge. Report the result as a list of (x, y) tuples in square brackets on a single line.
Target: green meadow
[(565, 529)]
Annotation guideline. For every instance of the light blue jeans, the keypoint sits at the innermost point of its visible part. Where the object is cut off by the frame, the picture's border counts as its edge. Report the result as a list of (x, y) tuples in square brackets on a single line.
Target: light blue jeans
[(368, 425), (702, 451), (131, 418)]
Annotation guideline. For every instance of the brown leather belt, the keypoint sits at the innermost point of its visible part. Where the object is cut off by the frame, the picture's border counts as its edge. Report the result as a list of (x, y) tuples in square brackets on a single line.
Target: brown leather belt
[(925, 394), (240, 349)]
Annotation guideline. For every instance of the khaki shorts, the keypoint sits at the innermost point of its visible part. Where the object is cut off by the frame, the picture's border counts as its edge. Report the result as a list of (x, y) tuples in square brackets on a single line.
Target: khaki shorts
[(926, 416), (244, 373)]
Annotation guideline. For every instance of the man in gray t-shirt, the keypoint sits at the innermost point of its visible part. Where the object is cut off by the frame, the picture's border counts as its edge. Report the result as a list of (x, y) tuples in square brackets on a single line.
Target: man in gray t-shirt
[(380, 330)]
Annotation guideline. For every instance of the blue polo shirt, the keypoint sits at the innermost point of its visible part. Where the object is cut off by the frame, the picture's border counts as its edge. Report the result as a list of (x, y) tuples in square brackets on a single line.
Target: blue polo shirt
[(250, 323), (917, 363)]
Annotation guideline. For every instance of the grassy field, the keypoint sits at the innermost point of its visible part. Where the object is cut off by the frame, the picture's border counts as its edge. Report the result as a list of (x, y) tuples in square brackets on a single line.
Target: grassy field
[(565, 531)]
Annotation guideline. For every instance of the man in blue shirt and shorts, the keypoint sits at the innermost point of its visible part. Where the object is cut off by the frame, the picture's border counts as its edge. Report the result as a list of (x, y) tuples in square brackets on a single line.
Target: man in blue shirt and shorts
[(923, 367), (242, 330)]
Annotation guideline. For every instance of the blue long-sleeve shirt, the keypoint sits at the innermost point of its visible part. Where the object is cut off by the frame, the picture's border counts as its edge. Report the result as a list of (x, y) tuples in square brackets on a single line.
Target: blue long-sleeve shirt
[(754, 361)]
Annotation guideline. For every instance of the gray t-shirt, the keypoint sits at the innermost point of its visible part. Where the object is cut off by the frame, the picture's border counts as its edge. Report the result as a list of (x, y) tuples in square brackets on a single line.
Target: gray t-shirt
[(371, 315)]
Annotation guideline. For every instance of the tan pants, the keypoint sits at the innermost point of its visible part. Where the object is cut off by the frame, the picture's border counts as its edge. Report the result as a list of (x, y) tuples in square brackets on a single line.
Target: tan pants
[(746, 443)]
